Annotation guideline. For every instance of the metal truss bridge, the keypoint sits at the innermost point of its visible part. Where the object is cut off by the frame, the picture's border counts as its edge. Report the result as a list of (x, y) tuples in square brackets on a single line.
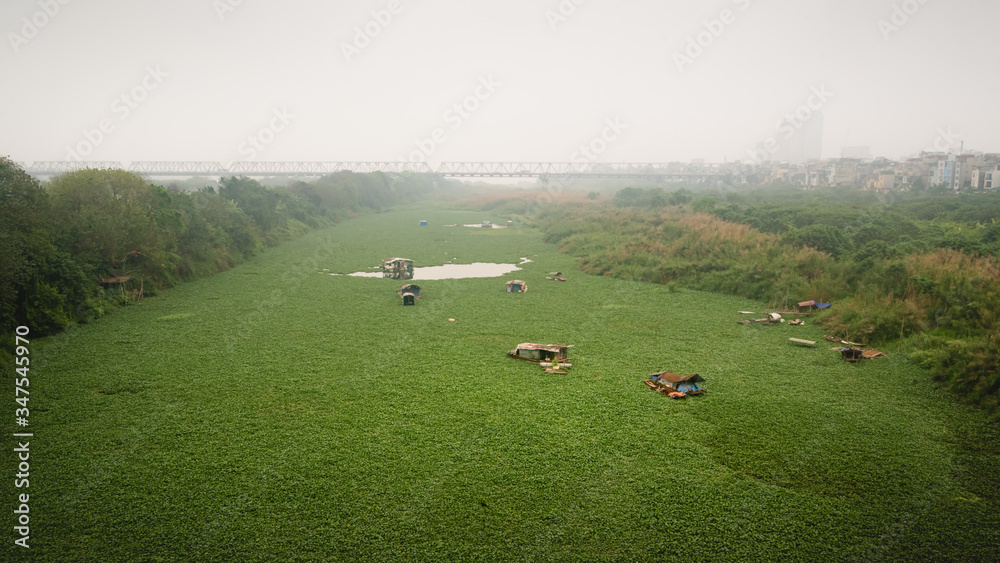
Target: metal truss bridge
[(543, 170)]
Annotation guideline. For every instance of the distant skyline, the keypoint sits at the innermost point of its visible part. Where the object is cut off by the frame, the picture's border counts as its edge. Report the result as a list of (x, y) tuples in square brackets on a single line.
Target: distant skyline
[(443, 80)]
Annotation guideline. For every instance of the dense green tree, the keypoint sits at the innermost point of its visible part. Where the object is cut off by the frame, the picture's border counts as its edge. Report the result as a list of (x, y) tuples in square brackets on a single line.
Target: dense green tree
[(58, 240), (821, 237), (258, 202), (40, 285), (115, 222), (680, 197), (703, 205), (23, 238), (654, 198)]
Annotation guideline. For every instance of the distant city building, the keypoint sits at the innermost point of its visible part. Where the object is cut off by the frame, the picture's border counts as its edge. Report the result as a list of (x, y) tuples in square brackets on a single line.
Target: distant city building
[(967, 163), (817, 174), (844, 173), (972, 170), (944, 172), (882, 182), (985, 178), (812, 138), (955, 171), (856, 152)]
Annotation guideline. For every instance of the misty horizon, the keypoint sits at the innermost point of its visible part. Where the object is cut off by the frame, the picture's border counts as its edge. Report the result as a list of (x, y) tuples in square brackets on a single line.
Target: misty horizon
[(557, 81)]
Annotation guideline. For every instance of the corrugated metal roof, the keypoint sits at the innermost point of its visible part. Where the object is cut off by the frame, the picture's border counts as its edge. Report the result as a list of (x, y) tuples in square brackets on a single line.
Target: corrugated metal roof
[(676, 378), (546, 347)]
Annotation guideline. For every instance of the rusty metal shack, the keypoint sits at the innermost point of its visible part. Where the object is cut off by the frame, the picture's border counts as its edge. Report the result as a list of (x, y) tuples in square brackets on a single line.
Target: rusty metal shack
[(540, 352), (409, 293), (397, 268), (516, 286), (668, 382)]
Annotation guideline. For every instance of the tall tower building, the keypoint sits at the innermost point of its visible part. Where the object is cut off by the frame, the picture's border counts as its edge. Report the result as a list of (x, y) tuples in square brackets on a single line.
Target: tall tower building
[(812, 138), (800, 140)]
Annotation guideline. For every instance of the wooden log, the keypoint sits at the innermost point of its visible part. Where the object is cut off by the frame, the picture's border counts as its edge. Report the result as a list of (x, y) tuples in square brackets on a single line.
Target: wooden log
[(802, 342), (841, 341)]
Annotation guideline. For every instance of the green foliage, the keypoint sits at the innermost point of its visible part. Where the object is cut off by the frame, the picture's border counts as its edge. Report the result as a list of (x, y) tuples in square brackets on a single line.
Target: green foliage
[(23, 239), (255, 200), (57, 241), (651, 198), (893, 269), (825, 238), (638, 197), (114, 221), (703, 205), (46, 309), (697, 251), (679, 197), (275, 410), (970, 367)]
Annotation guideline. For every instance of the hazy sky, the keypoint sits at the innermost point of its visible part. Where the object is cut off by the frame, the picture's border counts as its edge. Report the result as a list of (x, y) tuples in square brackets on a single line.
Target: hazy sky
[(449, 80)]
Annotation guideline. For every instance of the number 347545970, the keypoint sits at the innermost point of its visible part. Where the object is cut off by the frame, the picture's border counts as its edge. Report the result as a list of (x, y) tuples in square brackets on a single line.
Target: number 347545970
[(22, 361)]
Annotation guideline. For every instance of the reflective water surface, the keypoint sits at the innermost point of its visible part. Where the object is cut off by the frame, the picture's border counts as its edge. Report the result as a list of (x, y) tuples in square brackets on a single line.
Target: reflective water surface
[(453, 271)]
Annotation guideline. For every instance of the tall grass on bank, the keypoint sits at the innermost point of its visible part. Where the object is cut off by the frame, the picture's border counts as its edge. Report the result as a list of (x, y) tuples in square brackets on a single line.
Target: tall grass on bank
[(699, 251), (944, 301)]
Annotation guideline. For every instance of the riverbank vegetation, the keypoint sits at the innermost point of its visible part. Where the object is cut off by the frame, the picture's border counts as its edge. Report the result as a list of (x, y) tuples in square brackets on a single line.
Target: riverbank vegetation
[(920, 271), (84, 242), (275, 409)]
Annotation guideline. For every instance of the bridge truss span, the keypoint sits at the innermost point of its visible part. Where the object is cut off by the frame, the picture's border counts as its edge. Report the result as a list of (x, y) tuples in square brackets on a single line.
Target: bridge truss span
[(253, 168), (543, 170), (194, 168), (56, 167)]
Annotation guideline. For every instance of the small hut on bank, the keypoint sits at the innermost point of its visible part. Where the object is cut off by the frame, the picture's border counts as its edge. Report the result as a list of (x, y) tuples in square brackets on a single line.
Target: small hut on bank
[(409, 293), (540, 352), (675, 385), (397, 268), (517, 286)]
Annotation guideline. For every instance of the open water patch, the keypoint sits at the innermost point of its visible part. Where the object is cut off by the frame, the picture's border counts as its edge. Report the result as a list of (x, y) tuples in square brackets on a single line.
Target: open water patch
[(452, 271), (478, 226)]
